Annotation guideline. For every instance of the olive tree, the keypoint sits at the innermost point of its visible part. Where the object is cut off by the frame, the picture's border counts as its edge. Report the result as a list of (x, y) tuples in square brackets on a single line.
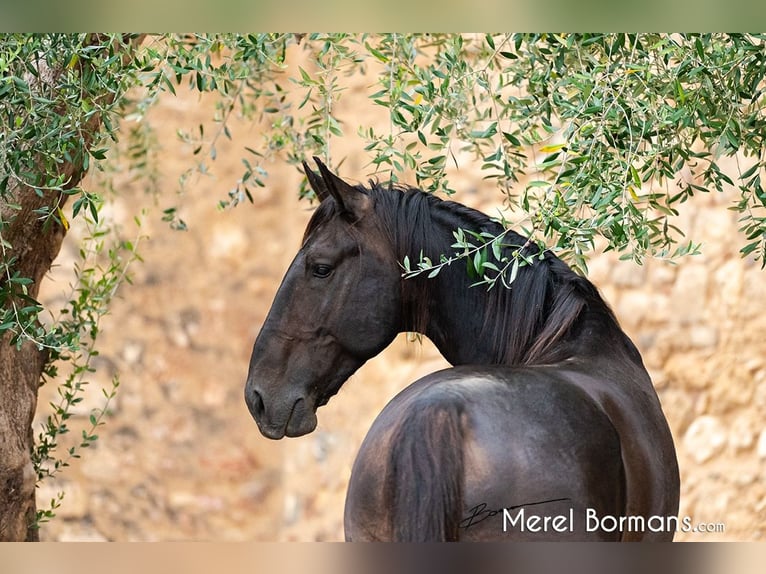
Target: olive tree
[(611, 132)]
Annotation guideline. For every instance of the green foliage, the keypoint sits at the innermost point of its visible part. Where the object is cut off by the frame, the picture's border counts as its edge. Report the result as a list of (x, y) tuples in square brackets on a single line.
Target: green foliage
[(51, 87), (613, 130), (102, 269), (586, 136), (489, 259)]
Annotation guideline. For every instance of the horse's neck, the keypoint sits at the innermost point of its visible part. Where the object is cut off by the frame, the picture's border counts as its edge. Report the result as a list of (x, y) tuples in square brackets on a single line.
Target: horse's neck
[(468, 327), (456, 322), (443, 308), (463, 323), (457, 328)]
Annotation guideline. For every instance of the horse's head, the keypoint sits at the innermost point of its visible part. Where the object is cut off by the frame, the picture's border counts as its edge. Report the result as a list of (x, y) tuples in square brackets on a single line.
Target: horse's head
[(338, 306)]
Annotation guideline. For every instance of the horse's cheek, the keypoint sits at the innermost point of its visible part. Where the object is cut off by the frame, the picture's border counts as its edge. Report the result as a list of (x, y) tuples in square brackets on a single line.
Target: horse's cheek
[(373, 326)]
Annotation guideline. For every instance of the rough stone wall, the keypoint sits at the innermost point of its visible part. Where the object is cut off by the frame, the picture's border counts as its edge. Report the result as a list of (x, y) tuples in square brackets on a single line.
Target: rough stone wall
[(700, 326), (181, 458)]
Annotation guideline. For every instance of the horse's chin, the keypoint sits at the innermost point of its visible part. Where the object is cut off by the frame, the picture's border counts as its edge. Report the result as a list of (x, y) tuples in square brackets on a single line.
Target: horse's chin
[(293, 429), (271, 432), (299, 426)]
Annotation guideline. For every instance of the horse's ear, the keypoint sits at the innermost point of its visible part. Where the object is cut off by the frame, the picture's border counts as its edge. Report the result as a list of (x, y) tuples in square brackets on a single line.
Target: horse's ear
[(350, 200), (316, 183)]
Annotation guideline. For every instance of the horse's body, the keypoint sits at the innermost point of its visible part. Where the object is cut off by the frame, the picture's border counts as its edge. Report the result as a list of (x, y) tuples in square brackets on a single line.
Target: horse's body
[(524, 439), (553, 419)]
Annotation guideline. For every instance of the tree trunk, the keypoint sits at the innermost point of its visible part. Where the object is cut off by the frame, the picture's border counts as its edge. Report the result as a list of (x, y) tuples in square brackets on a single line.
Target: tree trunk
[(34, 248), (20, 374)]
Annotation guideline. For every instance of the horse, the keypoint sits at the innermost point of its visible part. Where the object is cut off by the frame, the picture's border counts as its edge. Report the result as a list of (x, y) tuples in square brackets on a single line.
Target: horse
[(546, 427)]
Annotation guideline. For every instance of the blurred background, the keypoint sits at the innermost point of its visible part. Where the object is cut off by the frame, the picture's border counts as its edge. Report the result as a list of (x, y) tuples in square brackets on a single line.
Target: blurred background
[(180, 458)]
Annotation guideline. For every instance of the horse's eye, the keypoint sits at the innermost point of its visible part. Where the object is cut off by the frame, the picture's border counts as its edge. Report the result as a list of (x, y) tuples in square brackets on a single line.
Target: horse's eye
[(322, 271)]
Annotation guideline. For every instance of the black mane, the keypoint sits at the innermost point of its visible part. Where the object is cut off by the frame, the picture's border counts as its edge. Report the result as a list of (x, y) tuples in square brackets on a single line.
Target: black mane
[(530, 323)]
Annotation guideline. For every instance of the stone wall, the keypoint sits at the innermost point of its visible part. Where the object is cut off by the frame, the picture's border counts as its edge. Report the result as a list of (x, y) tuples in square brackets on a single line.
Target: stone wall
[(700, 326), (181, 458)]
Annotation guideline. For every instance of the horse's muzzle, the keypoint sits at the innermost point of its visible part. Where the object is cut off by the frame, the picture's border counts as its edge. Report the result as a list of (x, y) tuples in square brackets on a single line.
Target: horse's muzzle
[(293, 417)]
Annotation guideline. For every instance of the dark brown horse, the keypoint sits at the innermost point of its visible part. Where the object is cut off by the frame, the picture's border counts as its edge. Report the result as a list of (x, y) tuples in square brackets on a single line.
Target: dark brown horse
[(549, 428)]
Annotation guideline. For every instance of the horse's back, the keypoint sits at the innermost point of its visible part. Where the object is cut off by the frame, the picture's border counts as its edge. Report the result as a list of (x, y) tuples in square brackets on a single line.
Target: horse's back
[(538, 455)]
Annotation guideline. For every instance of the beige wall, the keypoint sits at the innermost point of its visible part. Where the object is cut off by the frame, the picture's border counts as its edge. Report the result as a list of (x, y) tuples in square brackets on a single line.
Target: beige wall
[(182, 459)]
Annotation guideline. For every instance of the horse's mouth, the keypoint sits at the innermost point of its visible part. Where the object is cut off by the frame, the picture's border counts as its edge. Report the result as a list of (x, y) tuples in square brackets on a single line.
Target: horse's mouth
[(301, 420)]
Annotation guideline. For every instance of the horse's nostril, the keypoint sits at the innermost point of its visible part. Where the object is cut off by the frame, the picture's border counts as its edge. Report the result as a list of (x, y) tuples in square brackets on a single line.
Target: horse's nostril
[(255, 404)]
